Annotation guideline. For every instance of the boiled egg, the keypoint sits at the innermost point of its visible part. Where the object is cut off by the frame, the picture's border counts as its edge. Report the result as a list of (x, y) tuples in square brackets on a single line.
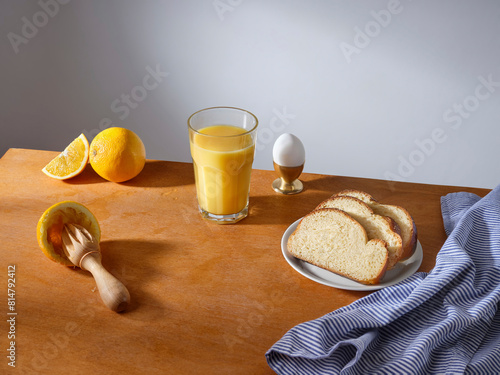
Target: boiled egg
[(288, 151)]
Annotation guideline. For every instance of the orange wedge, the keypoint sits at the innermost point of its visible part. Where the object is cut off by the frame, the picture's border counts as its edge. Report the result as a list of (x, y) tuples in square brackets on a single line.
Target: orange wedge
[(51, 224), (71, 161)]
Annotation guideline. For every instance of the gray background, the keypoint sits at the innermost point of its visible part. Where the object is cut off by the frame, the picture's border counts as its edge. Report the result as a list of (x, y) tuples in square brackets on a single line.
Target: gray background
[(405, 90)]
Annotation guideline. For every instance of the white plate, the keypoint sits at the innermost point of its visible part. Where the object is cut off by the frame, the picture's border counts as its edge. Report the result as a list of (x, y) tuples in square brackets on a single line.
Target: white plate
[(401, 271)]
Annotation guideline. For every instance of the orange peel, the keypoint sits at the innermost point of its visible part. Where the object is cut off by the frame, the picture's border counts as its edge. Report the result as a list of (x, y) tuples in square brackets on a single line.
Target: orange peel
[(51, 224)]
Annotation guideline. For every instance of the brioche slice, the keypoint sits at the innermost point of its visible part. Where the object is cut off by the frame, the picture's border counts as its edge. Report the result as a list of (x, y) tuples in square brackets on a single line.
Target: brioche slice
[(331, 239), (376, 226), (398, 214)]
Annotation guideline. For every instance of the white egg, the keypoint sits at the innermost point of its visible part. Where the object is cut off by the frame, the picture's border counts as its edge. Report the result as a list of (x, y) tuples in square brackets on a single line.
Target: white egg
[(288, 151)]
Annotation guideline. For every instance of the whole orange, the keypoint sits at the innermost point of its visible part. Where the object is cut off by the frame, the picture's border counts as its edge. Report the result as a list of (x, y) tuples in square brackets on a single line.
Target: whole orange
[(117, 154)]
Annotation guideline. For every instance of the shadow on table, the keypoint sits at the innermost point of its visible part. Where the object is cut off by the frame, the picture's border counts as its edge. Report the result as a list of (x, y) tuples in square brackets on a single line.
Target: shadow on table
[(327, 184), (276, 208), (281, 209), (135, 264), (88, 176), (156, 174), (160, 174)]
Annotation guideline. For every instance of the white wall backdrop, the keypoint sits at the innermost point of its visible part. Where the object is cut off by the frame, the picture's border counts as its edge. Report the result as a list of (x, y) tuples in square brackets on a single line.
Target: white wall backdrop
[(405, 90)]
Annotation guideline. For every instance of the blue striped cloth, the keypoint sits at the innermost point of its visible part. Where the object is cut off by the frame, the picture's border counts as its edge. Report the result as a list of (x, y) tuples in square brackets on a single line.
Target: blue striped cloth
[(442, 322)]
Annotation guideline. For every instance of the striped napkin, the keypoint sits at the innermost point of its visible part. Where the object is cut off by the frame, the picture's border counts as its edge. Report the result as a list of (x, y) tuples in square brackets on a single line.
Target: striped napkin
[(442, 322)]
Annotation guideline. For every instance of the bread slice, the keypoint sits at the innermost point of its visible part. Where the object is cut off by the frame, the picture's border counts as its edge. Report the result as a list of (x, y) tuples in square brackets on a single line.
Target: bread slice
[(397, 213), (333, 240), (376, 226)]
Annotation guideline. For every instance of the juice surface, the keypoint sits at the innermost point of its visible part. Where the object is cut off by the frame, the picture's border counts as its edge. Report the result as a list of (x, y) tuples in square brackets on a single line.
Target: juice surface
[(222, 157)]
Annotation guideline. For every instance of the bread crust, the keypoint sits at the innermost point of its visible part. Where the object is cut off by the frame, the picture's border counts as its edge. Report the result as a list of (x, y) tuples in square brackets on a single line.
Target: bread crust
[(393, 225), (409, 250)]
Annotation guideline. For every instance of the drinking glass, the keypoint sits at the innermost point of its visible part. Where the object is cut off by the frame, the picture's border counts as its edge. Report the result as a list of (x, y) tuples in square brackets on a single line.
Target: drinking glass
[(222, 141)]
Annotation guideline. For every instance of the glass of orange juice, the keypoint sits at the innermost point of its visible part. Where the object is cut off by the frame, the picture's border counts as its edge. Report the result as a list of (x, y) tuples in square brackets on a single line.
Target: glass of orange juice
[(222, 141)]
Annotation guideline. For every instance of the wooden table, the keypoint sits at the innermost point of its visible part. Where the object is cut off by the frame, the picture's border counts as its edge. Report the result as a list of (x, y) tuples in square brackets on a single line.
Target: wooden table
[(206, 298)]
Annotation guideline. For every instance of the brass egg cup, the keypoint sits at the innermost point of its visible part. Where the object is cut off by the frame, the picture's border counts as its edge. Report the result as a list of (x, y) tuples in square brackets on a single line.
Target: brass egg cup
[(288, 182)]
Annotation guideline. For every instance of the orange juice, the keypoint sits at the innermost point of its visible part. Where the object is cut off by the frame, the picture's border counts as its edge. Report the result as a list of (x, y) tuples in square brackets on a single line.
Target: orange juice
[(222, 157)]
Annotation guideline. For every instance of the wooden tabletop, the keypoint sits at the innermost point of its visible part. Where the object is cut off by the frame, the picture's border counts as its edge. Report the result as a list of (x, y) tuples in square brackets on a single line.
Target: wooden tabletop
[(205, 298)]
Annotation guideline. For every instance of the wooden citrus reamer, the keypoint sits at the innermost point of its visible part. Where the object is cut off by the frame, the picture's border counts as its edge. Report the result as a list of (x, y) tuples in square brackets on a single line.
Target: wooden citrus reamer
[(82, 249)]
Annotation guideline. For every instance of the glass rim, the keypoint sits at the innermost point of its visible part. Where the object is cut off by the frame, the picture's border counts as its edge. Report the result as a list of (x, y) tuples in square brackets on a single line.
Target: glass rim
[(223, 136)]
